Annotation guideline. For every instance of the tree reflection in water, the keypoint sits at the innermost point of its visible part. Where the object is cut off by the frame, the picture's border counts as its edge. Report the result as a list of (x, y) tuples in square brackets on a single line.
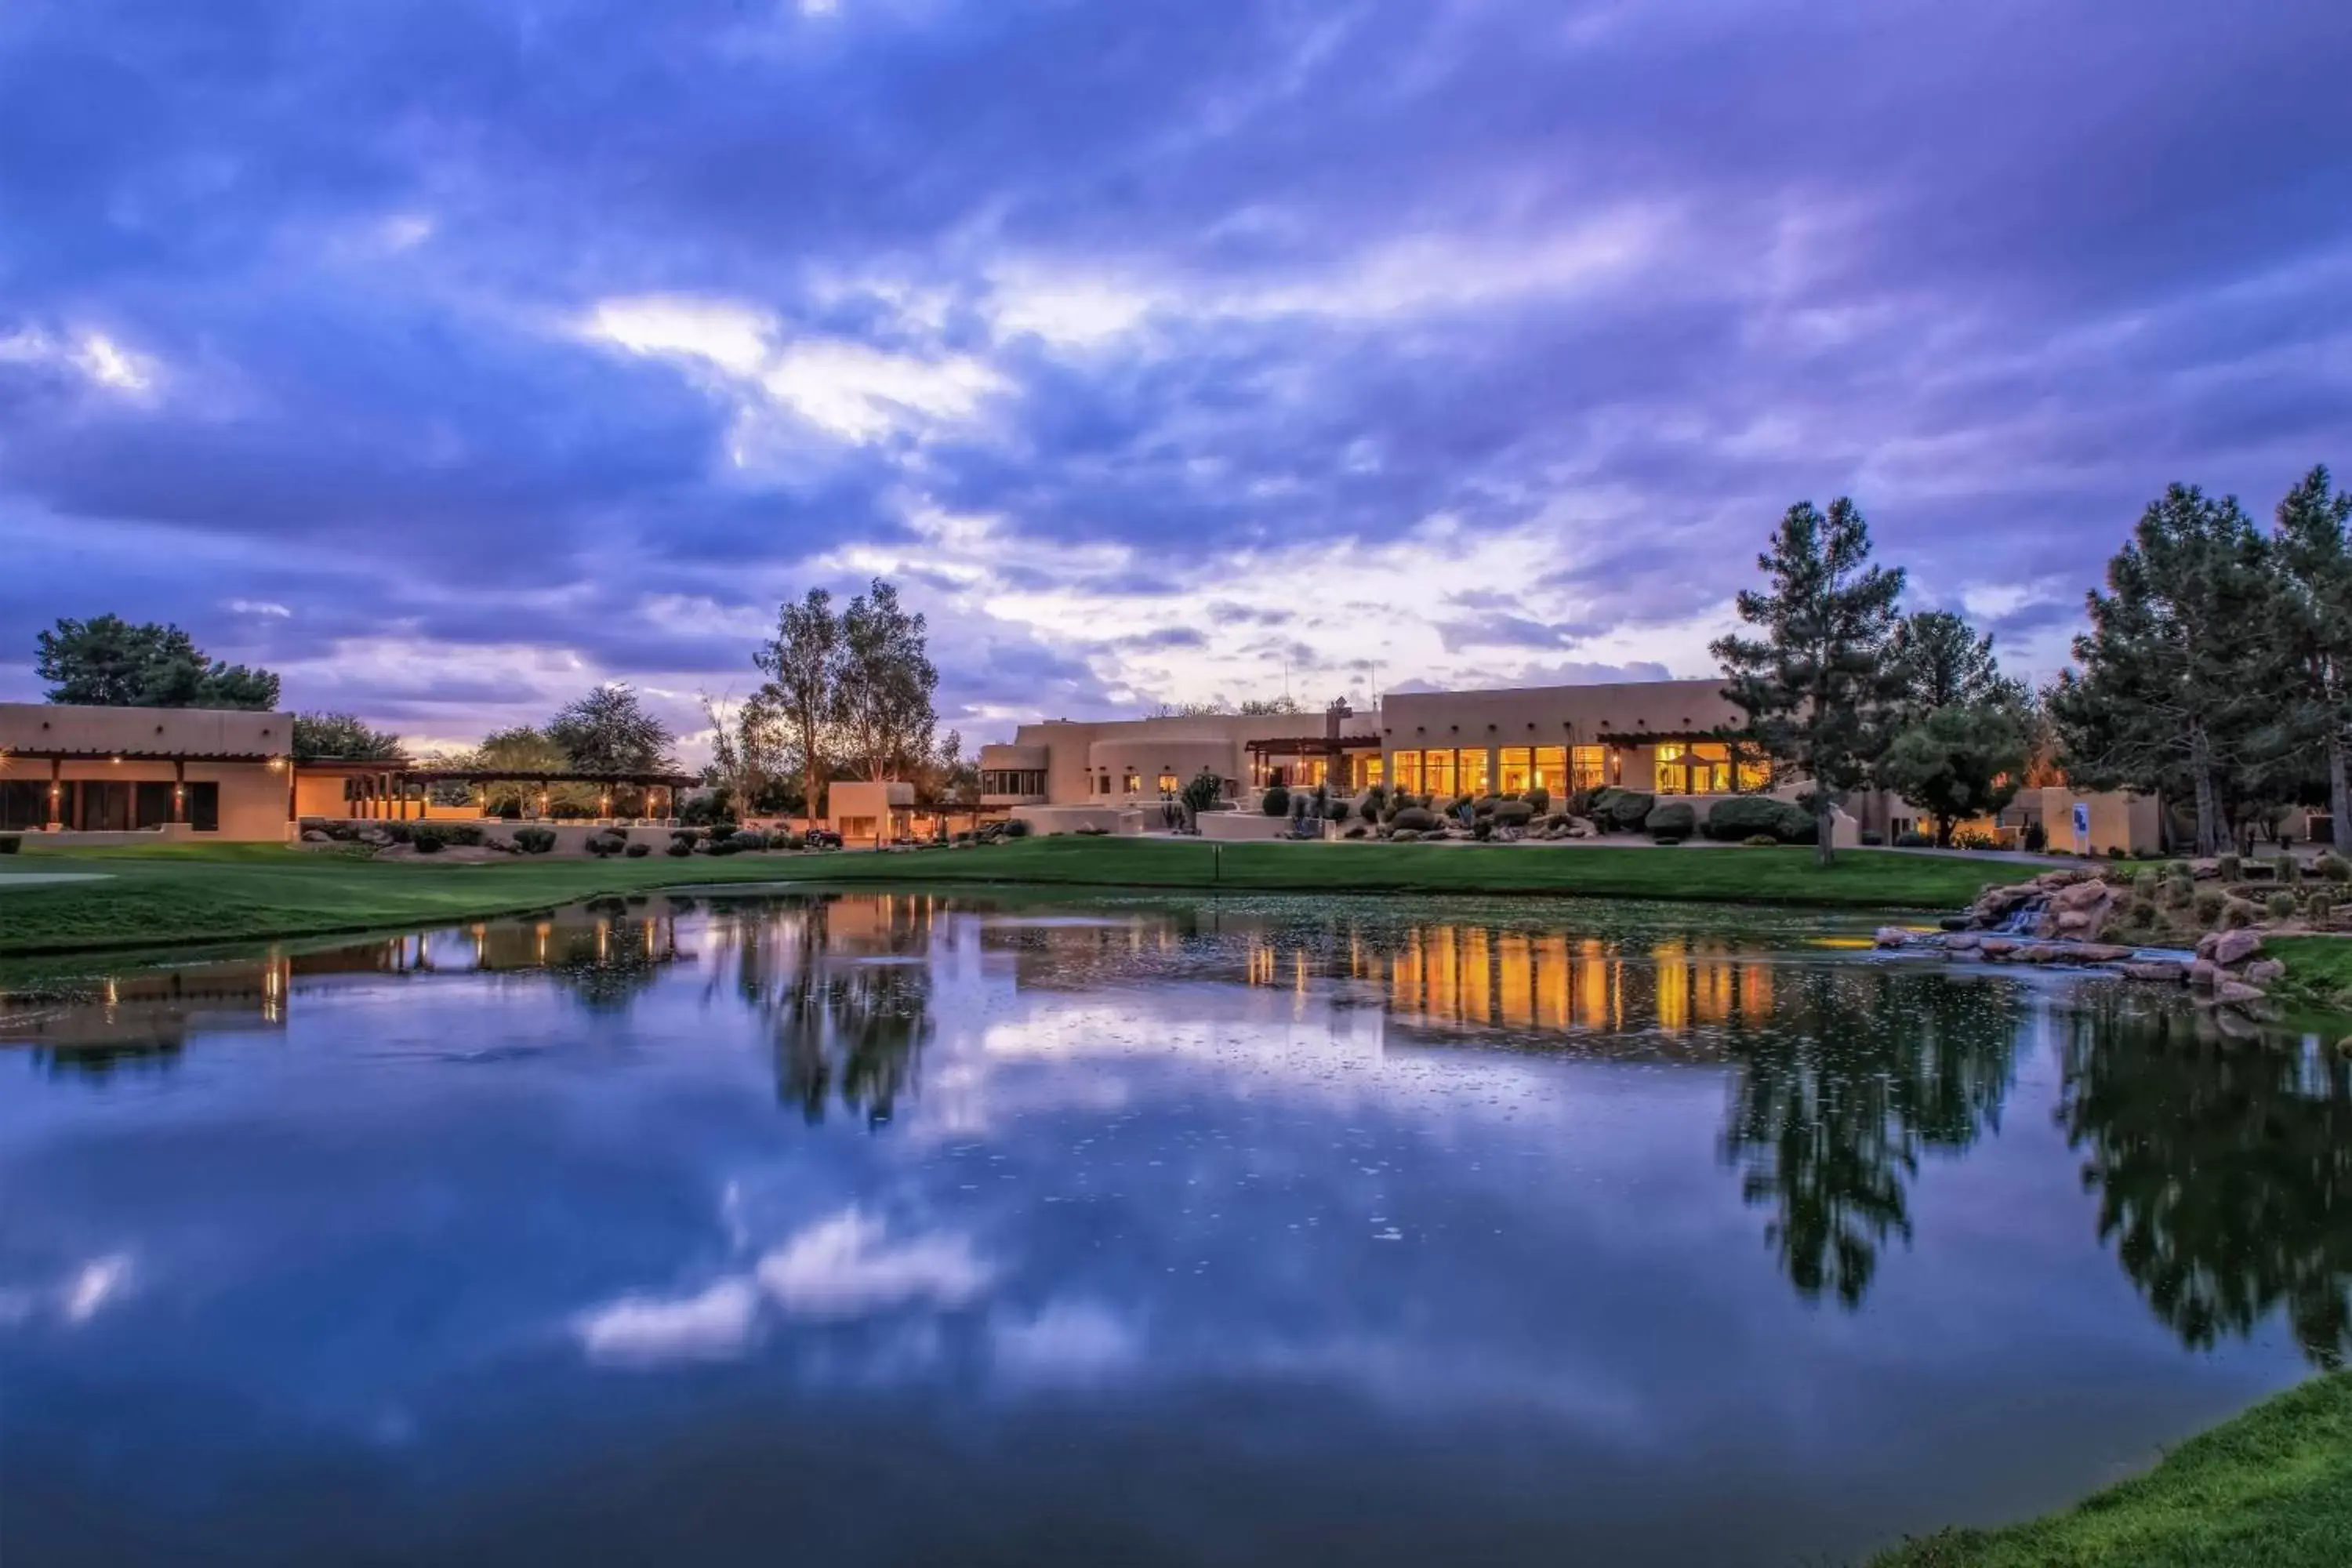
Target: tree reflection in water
[(2223, 1170), (1860, 1071), (847, 981)]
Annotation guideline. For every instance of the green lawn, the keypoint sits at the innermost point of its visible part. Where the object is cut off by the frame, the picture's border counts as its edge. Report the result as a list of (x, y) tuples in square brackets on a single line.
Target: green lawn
[(2270, 1490), (158, 895), (2319, 968)]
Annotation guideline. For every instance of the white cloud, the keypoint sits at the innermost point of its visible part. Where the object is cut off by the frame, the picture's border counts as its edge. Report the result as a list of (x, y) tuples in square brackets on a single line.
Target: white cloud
[(715, 1325), (98, 358), (734, 337), (846, 1267), (92, 1287), (861, 392), (1069, 1342), (257, 607)]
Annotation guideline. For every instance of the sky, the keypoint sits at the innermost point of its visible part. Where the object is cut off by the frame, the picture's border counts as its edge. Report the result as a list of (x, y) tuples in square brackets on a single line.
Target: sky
[(450, 358)]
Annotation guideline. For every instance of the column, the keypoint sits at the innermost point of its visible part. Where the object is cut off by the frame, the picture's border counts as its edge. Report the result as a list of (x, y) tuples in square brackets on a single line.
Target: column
[(179, 790), (57, 792)]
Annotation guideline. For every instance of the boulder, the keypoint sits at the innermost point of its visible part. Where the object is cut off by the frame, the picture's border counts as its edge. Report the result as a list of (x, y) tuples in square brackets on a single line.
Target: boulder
[(2265, 971), (1892, 936), (1963, 942), (317, 836), (2079, 895), (2075, 923), (2163, 970), (2204, 871), (2237, 993), (1997, 947), (2204, 974), (2042, 952), (2231, 948), (376, 835), (2101, 952)]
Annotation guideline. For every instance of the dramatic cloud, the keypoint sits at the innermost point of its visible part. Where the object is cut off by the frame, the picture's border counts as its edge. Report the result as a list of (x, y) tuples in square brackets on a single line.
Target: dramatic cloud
[(451, 357)]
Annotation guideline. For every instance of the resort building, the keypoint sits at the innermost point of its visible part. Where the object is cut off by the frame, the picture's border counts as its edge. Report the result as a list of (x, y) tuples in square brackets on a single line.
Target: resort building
[(145, 769), (1126, 761)]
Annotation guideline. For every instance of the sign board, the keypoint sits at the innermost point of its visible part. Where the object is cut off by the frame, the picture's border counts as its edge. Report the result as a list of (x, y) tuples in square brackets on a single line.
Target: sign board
[(2081, 827)]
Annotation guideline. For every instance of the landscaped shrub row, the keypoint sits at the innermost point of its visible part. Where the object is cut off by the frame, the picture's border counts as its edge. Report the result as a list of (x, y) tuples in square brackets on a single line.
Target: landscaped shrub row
[(1747, 816)]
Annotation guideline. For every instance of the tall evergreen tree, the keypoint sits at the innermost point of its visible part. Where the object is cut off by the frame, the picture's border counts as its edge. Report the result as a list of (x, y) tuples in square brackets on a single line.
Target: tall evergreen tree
[(1962, 750), (2313, 554), (885, 685), (1944, 662), (344, 737), (108, 662), (803, 664), (2176, 677), (1818, 685)]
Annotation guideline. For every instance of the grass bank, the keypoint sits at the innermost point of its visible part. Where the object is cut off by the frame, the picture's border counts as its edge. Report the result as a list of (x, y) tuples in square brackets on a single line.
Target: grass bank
[(2270, 1490), (160, 895), (2318, 969)]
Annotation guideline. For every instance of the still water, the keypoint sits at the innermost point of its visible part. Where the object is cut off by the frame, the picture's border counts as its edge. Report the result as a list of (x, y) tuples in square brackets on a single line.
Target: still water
[(892, 1229)]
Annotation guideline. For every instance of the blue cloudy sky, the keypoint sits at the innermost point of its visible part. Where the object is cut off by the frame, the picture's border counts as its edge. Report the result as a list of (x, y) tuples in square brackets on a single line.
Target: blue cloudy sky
[(448, 357)]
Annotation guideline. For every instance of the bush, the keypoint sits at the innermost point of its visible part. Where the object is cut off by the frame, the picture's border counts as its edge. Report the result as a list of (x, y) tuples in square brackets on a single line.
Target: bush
[(398, 832), (1375, 799), (1870, 839), (605, 844), (2322, 905), (638, 850), (2282, 905), (1744, 816), (2290, 870), (534, 840), (1483, 829), (464, 833), (1514, 814), (1912, 838), (426, 839), (1621, 810), (1540, 801), (2238, 913), (1675, 819), (680, 847), (1356, 832), (2332, 867), (1276, 801), (11, 842), (1335, 810), (2232, 868), (744, 839), (720, 844), (2208, 905), (1016, 828), (1415, 819)]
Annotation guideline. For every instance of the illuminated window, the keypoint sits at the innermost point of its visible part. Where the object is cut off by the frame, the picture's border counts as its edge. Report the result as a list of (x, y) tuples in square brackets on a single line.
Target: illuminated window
[(1550, 770), (1437, 772), (1473, 773), (1408, 772), (1514, 770), (1753, 775), (1700, 768), (1131, 783), (1672, 773), (1368, 770), (1167, 784), (1588, 767), (1313, 771)]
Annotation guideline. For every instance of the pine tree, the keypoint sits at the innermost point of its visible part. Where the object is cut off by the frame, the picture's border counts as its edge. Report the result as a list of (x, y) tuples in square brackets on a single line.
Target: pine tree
[(1818, 685), (2175, 667), (2313, 555)]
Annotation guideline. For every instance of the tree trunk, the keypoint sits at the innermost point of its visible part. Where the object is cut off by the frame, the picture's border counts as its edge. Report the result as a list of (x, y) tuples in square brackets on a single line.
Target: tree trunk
[(1825, 834), (2340, 789), (1944, 831), (2209, 814)]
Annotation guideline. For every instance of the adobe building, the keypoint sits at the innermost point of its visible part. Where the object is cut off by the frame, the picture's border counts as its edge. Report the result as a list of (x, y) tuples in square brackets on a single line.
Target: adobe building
[(100, 771)]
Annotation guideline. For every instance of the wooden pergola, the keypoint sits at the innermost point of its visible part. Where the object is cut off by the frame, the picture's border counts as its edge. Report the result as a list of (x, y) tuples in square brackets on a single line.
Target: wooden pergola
[(397, 789)]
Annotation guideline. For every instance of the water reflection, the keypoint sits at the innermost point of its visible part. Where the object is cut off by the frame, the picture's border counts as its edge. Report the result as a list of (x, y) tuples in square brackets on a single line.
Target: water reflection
[(1854, 1075), (2223, 1171)]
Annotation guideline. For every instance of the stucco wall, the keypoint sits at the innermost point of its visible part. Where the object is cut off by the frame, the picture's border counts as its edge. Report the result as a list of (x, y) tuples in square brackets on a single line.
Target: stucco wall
[(177, 731)]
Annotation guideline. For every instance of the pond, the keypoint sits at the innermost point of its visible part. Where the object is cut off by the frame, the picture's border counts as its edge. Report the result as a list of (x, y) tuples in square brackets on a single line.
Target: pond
[(889, 1228)]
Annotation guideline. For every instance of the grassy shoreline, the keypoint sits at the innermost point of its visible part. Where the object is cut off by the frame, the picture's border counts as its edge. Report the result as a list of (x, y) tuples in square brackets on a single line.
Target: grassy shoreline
[(2270, 1489), (162, 896)]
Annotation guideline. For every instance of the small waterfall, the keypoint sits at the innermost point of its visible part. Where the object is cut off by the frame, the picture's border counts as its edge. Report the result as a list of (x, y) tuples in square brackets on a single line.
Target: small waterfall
[(2024, 921)]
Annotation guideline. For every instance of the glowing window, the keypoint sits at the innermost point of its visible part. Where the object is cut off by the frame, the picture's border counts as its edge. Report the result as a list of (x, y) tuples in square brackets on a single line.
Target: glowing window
[(1368, 770), (1514, 770), (1550, 769), (1167, 784), (1408, 772), (1590, 767), (1437, 772), (1472, 773)]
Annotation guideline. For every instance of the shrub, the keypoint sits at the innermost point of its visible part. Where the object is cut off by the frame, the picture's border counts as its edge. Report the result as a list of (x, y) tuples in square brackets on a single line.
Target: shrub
[(426, 839), (2290, 870), (2037, 837), (1016, 828), (1484, 805), (720, 844), (464, 833), (744, 839), (2117, 852), (2282, 905), (534, 840), (1514, 814), (1621, 810), (1335, 810), (2322, 905), (1416, 819), (1870, 839), (2143, 914), (1912, 838), (1540, 801), (638, 850), (1375, 799), (1483, 829), (1675, 819), (2238, 913), (1356, 832), (689, 837), (2332, 867), (680, 847), (2208, 904), (398, 832), (2232, 868), (1744, 816), (603, 845), (1276, 801), (11, 842)]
